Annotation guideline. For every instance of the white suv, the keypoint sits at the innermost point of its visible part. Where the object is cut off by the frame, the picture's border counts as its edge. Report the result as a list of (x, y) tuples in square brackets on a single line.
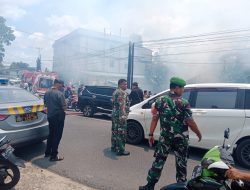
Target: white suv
[(215, 107)]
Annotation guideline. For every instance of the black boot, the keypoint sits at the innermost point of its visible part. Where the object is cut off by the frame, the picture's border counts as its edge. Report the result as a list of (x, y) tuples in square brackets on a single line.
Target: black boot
[(149, 186), (124, 153)]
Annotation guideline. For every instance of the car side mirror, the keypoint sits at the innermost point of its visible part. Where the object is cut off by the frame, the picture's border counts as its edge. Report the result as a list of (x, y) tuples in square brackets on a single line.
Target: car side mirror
[(227, 133)]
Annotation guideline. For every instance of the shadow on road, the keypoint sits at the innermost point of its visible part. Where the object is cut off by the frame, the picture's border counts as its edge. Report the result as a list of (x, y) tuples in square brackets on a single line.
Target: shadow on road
[(43, 162), (102, 116), (35, 154), (96, 116), (194, 153), (109, 154), (144, 145), (30, 152)]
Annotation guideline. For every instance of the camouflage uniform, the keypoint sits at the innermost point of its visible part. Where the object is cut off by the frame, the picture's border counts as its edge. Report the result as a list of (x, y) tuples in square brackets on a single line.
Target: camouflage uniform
[(119, 126), (173, 112)]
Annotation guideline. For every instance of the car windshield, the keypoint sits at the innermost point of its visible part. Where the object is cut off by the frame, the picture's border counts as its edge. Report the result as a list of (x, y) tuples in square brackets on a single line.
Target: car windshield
[(16, 95), (45, 83)]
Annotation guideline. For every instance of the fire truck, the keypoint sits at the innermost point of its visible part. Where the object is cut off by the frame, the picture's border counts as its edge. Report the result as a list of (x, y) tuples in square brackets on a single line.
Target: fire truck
[(38, 82)]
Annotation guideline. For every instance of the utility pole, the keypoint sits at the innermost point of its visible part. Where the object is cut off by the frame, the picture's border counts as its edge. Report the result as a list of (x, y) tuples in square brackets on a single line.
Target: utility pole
[(39, 60), (130, 64), (39, 52)]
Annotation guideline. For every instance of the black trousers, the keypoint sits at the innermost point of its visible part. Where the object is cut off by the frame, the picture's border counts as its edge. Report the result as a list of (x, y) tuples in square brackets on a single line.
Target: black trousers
[(56, 125)]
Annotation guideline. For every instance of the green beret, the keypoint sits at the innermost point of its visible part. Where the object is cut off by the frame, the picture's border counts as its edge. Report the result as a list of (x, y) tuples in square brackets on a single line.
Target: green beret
[(178, 81)]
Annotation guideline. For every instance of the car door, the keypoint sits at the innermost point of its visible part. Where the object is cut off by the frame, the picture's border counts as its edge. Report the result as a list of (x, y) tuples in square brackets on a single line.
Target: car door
[(99, 97), (87, 96), (216, 109), (247, 111), (148, 114), (107, 98)]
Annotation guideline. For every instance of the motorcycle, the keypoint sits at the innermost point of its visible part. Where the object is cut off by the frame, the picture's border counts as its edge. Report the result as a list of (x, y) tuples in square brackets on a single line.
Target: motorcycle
[(72, 103), (210, 173), (9, 163)]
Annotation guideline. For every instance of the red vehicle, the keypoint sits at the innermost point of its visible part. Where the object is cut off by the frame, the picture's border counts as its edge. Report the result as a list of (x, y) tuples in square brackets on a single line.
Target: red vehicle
[(38, 82)]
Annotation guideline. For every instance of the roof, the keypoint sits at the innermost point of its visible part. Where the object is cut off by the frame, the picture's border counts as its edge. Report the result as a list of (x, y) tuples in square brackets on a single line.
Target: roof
[(94, 34)]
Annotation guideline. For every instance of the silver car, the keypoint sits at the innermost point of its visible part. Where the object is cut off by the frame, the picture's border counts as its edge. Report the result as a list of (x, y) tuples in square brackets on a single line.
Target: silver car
[(23, 117)]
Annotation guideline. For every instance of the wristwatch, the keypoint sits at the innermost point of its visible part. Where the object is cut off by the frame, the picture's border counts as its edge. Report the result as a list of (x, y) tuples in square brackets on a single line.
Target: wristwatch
[(150, 135)]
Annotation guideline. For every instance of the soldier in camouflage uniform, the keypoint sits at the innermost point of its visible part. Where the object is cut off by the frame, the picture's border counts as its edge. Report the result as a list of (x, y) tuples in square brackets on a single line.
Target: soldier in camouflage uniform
[(175, 117), (119, 119)]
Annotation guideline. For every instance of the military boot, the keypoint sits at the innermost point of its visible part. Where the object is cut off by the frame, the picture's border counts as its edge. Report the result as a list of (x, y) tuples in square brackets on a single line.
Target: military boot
[(149, 186)]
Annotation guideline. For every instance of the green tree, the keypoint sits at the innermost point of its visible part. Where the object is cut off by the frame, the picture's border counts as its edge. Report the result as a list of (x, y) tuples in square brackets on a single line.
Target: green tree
[(6, 36), (19, 65)]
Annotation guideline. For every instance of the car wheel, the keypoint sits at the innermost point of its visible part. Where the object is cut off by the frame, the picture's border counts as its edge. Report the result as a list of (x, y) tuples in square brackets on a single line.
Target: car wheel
[(88, 111), (242, 153), (135, 133)]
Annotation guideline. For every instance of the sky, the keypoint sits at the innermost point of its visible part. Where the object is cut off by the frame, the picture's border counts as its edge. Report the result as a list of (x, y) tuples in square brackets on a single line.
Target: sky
[(38, 23)]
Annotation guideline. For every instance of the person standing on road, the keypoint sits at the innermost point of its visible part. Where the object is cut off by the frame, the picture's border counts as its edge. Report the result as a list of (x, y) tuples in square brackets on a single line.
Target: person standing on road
[(55, 102), (136, 95), (120, 112), (175, 117)]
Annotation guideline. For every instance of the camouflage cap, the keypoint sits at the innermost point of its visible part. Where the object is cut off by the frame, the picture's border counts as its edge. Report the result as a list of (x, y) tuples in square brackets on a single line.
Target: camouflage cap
[(178, 81)]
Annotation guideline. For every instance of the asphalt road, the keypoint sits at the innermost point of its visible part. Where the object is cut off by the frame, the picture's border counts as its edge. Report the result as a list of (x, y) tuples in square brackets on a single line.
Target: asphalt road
[(88, 159)]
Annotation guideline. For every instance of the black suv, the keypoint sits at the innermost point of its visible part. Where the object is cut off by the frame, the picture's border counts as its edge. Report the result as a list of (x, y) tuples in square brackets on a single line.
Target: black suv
[(96, 99)]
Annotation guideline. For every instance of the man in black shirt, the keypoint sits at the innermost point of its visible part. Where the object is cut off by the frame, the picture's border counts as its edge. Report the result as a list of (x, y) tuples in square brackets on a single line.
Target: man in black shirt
[(136, 95), (55, 102)]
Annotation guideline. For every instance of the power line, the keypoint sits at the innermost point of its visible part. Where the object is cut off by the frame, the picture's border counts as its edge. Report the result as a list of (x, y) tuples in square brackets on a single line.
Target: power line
[(203, 63), (211, 51), (194, 41), (198, 35), (198, 52), (203, 44)]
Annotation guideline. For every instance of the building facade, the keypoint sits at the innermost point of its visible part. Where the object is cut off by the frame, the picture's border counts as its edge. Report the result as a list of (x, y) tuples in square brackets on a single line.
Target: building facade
[(95, 58)]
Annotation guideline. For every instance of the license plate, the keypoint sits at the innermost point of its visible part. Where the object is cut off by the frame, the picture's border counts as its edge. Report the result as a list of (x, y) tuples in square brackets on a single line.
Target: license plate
[(26, 117), (8, 151)]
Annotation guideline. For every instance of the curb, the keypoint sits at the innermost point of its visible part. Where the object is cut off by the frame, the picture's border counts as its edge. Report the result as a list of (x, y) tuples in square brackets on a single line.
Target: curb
[(35, 178)]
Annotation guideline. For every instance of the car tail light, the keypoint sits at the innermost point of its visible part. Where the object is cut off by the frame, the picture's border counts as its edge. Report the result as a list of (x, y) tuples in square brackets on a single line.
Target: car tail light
[(3, 117)]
